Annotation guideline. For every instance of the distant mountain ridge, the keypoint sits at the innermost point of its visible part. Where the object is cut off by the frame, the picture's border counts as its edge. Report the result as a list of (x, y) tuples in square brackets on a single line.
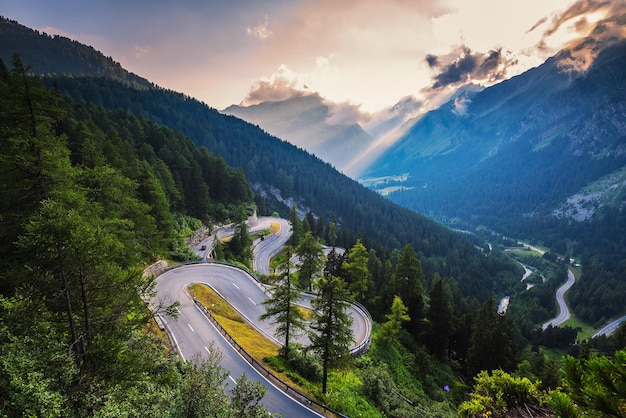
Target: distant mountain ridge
[(305, 121)]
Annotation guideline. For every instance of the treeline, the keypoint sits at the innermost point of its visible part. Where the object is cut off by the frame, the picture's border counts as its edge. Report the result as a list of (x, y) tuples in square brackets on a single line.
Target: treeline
[(60, 55)]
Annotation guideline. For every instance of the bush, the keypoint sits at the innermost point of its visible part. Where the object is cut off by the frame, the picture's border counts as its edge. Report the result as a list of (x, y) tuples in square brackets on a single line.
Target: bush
[(496, 394), (304, 363)]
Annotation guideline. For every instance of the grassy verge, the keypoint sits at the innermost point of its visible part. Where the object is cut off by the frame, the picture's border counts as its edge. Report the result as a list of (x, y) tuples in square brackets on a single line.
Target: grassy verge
[(255, 344), (275, 227)]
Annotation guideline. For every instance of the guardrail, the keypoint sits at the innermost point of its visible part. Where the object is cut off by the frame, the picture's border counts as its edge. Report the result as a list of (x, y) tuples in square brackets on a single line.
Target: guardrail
[(264, 371), (365, 345)]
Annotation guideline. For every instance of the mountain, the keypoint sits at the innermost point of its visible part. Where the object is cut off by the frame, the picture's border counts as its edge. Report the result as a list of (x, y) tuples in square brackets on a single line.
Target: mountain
[(541, 156), (56, 54), (283, 176), (524, 148), (309, 123)]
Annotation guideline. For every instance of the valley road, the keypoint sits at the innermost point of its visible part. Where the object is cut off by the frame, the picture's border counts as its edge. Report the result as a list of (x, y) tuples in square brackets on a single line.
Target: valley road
[(560, 300)]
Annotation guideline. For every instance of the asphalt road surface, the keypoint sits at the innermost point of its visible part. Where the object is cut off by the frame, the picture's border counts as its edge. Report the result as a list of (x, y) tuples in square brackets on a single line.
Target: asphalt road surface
[(560, 300), (193, 334)]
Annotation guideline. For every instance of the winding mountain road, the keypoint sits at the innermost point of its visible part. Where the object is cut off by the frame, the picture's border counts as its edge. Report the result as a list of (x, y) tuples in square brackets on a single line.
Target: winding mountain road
[(266, 248), (564, 314), (192, 333)]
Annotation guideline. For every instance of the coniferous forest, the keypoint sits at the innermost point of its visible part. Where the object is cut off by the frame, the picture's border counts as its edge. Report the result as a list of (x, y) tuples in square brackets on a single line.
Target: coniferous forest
[(99, 179)]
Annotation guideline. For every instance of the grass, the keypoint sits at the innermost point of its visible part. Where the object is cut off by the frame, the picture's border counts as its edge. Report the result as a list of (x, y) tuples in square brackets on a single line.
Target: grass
[(306, 312), (245, 334), (274, 228), (555, 354), (586, 330), (251, 340)]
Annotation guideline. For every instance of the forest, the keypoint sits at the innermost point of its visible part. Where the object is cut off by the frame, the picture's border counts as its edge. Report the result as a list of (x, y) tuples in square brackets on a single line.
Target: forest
[(96, 190), (91, 196)]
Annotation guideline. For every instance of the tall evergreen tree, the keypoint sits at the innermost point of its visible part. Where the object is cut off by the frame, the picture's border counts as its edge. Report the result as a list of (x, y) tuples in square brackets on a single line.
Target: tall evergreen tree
[(492, 344), (311, 260), (440, 320), (335, 264), (359, 274), (296, 227), (398, 315), (407, 280), (330, 328), (281, 305)]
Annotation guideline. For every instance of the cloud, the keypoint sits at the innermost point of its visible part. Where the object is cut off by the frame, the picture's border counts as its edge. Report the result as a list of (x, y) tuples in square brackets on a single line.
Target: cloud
[(432, 61), (282, 85), (462, 66), (345, 113), (260, 31), (461, 104), (580, 8)]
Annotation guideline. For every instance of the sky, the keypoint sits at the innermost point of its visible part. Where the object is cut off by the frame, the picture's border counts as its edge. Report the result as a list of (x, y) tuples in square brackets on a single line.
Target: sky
[(364, 55)]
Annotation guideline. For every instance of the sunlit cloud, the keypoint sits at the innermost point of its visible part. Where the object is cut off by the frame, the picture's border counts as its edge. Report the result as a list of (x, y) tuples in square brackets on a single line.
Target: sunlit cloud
[(282, 85), (260, 31)]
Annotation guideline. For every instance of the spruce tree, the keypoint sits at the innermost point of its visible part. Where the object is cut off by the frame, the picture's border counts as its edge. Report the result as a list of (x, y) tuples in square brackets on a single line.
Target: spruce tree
[(331, 334), (281, 305), (311, 260)]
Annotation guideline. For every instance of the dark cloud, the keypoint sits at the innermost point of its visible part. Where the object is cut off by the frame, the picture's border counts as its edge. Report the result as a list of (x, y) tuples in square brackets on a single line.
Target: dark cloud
[(432, 61), (580, 54), (462, 66)]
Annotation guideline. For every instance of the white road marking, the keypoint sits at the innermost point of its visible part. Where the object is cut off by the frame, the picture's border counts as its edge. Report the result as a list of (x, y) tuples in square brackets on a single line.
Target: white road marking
[(231, 378), (253, 302), (235, 285), (192, 330)]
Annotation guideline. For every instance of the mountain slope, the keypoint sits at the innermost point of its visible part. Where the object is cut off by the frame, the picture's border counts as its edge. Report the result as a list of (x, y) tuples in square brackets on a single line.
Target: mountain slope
[(60, 55), (522, 147)]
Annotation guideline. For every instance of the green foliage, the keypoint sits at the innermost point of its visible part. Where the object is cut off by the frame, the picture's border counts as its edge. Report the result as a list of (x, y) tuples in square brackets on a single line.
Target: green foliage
[(399, 314), (330, 333), (408, 281), (441, 322), (281, 305), (360, 278), (498, 393), (596, 386), (246, 400), (493, 343), (311, 257)]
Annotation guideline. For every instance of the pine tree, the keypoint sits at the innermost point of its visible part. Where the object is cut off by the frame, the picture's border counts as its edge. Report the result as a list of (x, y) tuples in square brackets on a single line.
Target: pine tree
[(330, 329), (311, 260), (397, 316), (281, 305), (296, 227), (492, 344), (359, 274), (440, 320), (407, 280)]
